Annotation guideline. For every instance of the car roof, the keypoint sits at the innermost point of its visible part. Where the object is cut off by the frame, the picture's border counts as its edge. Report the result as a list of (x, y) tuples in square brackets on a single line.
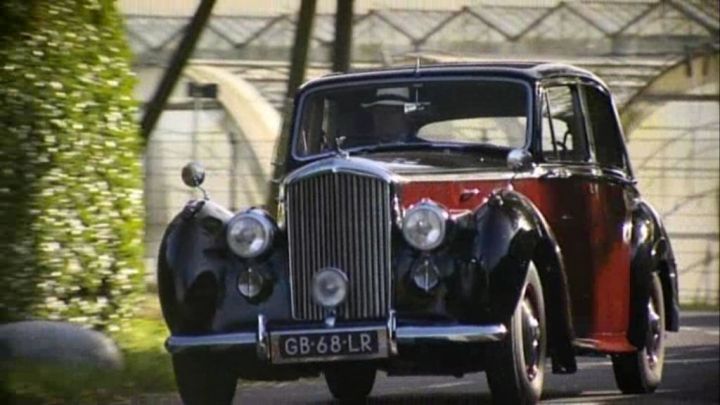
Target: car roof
[(528, 70)]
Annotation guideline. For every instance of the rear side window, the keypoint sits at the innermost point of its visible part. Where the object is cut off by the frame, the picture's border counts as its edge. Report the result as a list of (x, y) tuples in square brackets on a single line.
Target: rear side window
[(563, 132), (609, 149)]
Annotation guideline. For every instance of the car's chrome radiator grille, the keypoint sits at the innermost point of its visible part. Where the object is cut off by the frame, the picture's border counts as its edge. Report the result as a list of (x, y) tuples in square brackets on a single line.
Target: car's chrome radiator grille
[(340, 220)]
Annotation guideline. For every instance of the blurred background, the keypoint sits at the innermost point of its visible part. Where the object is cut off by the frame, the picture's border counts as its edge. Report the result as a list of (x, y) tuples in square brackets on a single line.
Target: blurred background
[(659, 57)]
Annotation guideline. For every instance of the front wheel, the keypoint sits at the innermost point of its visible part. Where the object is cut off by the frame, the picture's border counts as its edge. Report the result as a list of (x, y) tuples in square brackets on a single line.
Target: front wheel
[(640, 372), (350, 381), (204, 378), (515, 366)]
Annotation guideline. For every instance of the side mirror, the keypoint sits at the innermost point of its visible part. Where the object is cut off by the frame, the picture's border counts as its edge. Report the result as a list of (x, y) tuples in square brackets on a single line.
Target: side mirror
[(193, 174), (519, 160)]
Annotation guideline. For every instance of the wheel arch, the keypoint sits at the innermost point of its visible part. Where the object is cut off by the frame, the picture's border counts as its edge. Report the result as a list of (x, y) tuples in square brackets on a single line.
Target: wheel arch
[(532, 240), (188, 277), (651, 252)]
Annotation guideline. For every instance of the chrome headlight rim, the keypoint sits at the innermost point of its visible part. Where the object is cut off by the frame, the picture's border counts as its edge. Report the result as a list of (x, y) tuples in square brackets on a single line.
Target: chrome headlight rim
[(442, 216), (262, 219)]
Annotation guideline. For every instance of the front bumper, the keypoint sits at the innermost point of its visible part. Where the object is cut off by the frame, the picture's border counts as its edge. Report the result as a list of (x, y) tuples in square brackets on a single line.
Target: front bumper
[(397, 335)]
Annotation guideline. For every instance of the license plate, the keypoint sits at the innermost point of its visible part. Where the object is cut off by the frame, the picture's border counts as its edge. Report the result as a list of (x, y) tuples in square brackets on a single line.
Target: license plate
[(349, 344)]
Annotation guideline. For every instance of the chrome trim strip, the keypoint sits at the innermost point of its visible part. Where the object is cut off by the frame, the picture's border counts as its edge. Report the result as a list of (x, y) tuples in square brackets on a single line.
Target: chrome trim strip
[(392, 333), (322, 330), (451, 334), (176, 344), (390, 336), (352, 165), (541, 170), (262, 347)]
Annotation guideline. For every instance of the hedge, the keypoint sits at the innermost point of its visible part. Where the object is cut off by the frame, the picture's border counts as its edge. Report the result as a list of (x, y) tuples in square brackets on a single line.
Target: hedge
[(71, 210)]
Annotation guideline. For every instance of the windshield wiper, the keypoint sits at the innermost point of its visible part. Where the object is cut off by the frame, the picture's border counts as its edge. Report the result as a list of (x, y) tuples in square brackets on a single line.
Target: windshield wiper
[(394, 146)]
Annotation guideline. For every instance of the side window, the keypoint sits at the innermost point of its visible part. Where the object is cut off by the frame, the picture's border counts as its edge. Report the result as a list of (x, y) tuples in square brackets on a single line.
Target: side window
[(609, 150), (563, 134)]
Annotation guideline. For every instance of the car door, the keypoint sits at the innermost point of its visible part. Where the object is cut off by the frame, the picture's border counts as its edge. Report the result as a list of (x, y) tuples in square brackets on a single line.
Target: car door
[(612, 190), (566, 196)]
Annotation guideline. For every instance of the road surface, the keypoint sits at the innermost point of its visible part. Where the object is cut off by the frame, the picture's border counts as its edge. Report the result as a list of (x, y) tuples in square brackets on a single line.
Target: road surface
[(692, 375)]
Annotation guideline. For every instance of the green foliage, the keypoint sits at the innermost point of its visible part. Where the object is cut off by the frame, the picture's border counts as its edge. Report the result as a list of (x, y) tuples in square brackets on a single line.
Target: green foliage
[(70, 176)]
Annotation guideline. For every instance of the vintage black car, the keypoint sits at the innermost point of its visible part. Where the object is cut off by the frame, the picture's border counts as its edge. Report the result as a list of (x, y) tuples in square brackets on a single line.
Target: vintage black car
[(435, 220)]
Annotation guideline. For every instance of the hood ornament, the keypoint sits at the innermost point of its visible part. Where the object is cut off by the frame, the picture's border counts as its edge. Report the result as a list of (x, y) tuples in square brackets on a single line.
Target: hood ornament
[(338, 147)]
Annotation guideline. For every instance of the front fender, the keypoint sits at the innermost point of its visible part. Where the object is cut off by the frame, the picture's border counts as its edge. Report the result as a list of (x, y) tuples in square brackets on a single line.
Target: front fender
[(506, 236), (511, 232), (198, 275), (190, 259)]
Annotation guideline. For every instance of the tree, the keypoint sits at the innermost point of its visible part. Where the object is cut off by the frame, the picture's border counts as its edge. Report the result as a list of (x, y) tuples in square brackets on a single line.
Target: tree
[(70, 175)]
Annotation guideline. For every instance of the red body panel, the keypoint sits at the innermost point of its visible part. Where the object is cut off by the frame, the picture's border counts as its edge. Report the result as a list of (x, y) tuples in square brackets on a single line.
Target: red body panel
[(589, 220)]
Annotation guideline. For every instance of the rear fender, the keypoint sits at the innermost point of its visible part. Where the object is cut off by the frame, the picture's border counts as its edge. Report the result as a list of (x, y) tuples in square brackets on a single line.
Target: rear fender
[(650, 252)]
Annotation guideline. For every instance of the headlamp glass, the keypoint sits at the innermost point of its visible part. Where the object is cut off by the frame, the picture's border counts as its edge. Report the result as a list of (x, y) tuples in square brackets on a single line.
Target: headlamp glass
[(249, 234), (424, 226)]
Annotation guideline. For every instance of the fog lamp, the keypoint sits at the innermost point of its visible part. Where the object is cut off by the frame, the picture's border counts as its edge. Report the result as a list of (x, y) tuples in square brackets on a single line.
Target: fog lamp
[(250, 283), (425, 275), (330, 287)]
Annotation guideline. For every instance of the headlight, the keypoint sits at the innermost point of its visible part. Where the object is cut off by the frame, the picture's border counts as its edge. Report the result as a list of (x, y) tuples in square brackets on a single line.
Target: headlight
[(250, 233), (424, 225)]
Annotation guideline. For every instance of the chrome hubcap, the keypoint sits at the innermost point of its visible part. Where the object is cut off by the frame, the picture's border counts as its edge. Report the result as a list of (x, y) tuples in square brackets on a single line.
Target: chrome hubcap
[(531, 336), (654, 335)]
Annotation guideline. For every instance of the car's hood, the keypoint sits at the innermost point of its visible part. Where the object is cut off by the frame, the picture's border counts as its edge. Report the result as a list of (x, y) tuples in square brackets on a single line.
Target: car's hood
[(395, 169)]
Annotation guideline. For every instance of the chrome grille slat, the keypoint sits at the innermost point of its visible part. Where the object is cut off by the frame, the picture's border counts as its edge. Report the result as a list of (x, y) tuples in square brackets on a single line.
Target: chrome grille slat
[(340, 220), (376, 245), (361, 283)]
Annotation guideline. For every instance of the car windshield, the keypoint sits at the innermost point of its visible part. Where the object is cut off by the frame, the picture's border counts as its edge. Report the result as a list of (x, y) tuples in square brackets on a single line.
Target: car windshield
[(417, 115)]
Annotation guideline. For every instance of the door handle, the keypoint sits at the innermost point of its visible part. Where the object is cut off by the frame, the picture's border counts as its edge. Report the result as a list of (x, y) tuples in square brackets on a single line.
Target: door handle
[(468, 193), (557, 173)]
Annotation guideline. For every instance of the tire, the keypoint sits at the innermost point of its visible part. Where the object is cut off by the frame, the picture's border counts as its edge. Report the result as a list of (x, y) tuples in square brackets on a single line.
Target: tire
[(640, 372), (515, 366), (204, 378), (350, 381)]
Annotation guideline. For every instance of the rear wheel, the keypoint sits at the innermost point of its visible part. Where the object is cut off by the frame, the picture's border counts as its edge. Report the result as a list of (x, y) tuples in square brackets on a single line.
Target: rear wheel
[(640, 372), (204, 378), (350, 381), (515, 366)]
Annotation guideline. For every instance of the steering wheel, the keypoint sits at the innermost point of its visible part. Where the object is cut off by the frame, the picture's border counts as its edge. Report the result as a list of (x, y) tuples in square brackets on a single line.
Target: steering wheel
[(563, 144)]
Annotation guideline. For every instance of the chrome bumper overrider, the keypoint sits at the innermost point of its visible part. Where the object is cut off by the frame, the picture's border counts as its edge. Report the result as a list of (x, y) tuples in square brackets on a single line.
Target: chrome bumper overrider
[(396, 335)]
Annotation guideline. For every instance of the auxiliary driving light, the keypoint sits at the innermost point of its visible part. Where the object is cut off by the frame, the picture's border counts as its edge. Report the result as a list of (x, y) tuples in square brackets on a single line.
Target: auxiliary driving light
[(426, 275), (330, 287), (250, 283)]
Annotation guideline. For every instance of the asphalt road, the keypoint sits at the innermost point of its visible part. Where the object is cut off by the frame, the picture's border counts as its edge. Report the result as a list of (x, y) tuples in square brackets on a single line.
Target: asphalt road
[(691, 375)]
